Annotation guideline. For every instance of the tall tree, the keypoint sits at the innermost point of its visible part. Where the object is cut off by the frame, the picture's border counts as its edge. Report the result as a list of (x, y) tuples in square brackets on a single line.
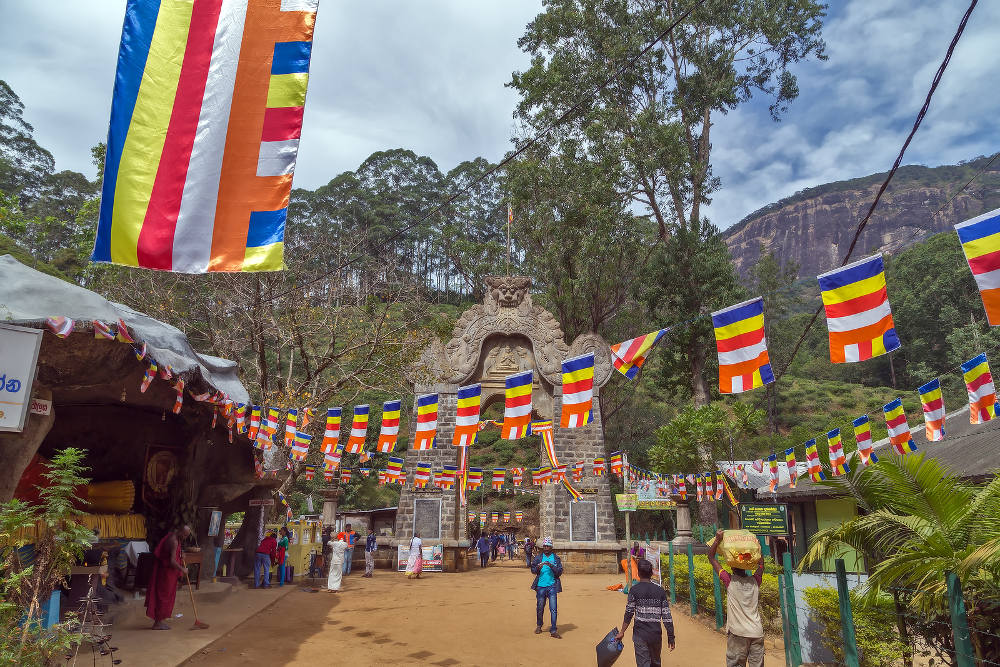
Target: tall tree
[(24, 164)]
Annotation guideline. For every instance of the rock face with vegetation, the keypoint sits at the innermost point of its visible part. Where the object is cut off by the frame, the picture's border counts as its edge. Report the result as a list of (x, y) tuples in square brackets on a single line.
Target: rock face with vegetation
[(814, 227)]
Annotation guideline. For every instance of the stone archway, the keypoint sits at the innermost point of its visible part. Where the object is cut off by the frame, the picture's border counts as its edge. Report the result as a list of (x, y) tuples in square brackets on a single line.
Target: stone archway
[(505, 334)]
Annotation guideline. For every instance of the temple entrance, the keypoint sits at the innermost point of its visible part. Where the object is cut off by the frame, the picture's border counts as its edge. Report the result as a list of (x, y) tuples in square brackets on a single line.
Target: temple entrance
[(506, 334)]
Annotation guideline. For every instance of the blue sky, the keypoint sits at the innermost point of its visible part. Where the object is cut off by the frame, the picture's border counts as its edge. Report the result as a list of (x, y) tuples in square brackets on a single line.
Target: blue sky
[(429, 76)]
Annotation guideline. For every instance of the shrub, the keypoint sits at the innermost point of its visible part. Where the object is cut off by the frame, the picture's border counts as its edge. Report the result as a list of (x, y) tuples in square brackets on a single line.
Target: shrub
[(878, 644), (704, 586)]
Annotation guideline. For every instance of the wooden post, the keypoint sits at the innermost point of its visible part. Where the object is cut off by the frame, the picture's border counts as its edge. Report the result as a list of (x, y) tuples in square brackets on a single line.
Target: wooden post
[(670, 567), (792, 638), (965, 656), (784, 621), (628, 553), (717, 585), (846, 616), (694, 597)]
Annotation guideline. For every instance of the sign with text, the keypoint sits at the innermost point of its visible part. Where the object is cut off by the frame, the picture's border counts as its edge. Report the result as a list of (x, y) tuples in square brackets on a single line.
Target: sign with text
[(627, 502), (764, 519), (432, 557), (18, 355), (261, 502), (39, 406), (653, 495)]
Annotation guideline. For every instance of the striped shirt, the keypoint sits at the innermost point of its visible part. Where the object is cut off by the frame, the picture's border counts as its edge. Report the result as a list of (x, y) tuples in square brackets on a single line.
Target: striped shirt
[(648, 603)]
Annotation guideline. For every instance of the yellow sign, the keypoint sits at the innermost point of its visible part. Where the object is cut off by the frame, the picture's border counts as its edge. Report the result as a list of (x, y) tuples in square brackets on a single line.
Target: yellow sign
[(627, 502)]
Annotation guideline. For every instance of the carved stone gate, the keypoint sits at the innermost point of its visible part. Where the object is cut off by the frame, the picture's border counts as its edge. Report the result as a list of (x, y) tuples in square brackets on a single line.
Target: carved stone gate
[(504, 335)]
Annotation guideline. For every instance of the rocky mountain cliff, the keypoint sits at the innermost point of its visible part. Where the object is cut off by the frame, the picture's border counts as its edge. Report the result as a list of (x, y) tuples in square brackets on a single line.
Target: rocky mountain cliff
[(814, 227)]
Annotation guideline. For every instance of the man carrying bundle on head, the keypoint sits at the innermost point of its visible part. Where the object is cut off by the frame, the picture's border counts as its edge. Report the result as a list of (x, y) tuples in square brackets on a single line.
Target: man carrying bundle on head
[(744, 630)]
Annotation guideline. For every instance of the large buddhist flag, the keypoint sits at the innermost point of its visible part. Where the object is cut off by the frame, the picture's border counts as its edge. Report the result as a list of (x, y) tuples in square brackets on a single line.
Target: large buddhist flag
[(899, 430), (467, 415), (427, 419), (204, 132), (982, 392), (933, 406), (739, 336), (578, 390), (331, 436), (517, 406), (359, 430), (980, 239), (857, 311), (390, 427), (629, 356)]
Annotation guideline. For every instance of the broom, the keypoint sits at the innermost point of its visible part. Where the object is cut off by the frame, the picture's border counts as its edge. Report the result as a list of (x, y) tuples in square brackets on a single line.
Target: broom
[(198, 625)]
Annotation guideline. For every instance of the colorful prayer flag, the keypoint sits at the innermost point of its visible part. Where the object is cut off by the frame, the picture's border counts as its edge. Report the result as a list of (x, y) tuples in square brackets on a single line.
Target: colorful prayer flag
[(599, 467), (517, 405), (482, 518), (494, 517), (838, 462), (365, 472), (390, 426), (204, 132), (699, 485), (558, 473), (858, 315), (791, 465), (63, 326), (578, 390), (467, 415), (980, 239), (982, 393), (394, 467), (506, 516), (932, 403), (772, 462), (720, 485), (544, 429), (290, 423), (814, 467), (899, 430), (359, 430), (681, 487), (474, 478), (448, 476), (517, 476), (331, 460), (102, 330), (427, 414), (578, 471), (499, 474), (300, 447), (310, 473), (422, 475), (331, 437), (616, 463), (328, 475), (863, 436), (739, 338), (122, 333), (345, 475), (629, 356), (519, 516)]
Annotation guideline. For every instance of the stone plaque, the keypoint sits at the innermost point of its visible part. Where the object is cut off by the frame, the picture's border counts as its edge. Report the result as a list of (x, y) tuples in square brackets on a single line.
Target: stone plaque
[(427, 518), (583, 521)]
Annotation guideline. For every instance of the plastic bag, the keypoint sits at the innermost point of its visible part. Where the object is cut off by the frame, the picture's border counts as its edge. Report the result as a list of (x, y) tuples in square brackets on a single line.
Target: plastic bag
[(609, 649), (739, 549)]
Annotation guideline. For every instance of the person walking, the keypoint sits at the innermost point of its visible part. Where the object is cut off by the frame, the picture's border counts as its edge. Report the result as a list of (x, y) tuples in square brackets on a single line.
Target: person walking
[(167, 570), (267, 552), (483, 546), (648, 604), (415, 561), (744, 630), (371, 546), (529, 547), (350, 537), (283, 535), (548, 570), (338, 548)]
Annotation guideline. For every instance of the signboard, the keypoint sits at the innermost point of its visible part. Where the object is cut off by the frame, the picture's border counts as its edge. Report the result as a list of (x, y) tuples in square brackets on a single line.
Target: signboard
[(433, 557), (39, 406), (214, 523), (18, 356), (653, 495), (764, 519), (261, 502), (654, 559), (627, 502)]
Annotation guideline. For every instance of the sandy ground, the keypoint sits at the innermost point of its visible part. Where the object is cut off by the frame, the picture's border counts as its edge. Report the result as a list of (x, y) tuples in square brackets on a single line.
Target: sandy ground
[(483, 617)]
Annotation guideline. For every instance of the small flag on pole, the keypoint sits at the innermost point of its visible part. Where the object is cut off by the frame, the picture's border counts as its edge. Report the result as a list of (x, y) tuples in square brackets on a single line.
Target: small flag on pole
[(578, 390), (739, 337), (857, 311), (467, 415), (517, 405), (629, 356)]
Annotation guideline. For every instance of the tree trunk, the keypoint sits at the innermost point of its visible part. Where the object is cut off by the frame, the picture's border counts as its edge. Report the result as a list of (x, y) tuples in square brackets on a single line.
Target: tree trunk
[(17, 449)]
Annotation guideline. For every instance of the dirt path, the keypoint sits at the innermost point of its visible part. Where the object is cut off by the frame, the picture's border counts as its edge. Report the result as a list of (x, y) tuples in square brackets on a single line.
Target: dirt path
[(474, 618)]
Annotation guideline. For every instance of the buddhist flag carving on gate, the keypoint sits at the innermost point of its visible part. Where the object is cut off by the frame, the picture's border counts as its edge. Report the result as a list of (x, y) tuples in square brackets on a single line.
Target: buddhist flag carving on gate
[(980, 239), (739, 336), (857, 311), (204, 132), (517, 406)]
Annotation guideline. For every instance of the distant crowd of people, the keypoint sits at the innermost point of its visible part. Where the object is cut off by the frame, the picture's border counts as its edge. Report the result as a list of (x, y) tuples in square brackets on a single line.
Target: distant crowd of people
[(499, 544)]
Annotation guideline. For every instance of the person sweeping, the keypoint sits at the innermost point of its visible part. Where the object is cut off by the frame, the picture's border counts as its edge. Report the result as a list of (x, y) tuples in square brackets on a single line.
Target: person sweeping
[(167, 569)]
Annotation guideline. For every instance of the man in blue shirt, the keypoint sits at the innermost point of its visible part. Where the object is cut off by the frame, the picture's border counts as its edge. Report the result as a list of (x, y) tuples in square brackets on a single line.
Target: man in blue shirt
[(484, 550), (371, 546), (548, 570)]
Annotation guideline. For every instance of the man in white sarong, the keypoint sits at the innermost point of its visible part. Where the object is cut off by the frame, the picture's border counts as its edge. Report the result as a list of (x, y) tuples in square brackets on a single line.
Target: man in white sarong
[(415, 563), (337, 550)]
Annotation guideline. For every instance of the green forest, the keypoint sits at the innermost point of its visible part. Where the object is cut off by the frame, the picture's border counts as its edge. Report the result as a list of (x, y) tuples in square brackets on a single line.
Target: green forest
[(608, 223)]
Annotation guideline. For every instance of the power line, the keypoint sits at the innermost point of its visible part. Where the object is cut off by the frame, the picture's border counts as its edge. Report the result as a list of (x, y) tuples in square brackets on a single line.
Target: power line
[(892, 172), (583, 101)]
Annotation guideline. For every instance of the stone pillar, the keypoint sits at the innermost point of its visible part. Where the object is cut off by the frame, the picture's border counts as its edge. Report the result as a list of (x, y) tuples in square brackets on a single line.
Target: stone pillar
[(683, 535), (330, 498)]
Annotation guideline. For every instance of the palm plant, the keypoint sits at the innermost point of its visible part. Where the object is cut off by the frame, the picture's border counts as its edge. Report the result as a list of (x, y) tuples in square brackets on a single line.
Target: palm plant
[(917, 520)]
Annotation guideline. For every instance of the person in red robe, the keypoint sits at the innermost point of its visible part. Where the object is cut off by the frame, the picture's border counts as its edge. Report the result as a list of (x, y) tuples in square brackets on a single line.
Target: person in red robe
[(167, 570)]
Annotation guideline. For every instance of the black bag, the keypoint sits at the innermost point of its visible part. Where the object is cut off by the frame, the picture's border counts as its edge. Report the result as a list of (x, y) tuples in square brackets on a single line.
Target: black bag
[(609, 649)]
